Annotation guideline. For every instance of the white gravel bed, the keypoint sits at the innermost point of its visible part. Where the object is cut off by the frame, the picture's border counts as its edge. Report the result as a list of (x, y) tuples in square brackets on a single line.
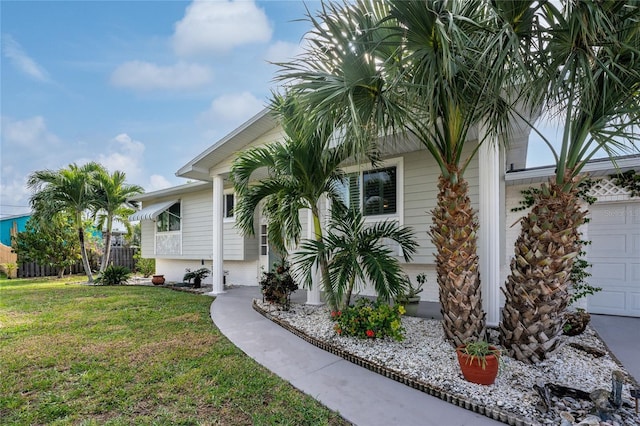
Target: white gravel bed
[(424, 355)]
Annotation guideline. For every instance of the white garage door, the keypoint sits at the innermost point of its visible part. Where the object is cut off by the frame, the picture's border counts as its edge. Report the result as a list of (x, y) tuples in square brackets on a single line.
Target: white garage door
[(614, 231)]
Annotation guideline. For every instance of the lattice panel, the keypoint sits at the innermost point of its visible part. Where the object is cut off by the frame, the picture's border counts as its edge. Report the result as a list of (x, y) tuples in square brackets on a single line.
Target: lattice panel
[(169, 243), (606, 190)]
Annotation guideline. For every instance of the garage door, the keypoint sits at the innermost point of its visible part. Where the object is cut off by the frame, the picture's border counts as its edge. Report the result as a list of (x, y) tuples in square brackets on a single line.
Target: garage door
[(614, 231)]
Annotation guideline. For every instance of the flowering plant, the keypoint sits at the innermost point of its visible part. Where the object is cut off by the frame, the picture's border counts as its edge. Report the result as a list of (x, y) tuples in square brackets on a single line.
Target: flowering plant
[(367, 319)]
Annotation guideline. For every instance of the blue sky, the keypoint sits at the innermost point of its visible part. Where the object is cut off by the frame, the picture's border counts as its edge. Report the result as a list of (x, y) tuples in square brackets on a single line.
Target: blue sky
[(140, 86)]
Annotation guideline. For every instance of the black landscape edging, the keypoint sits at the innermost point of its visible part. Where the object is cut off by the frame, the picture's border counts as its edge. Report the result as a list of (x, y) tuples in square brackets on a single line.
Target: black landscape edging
[(461, 401)]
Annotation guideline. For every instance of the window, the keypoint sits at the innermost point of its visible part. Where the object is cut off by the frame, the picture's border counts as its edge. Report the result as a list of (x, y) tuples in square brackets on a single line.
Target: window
[(379, 193), (229, 204), (378, 188), (169, 220), (264, 245)]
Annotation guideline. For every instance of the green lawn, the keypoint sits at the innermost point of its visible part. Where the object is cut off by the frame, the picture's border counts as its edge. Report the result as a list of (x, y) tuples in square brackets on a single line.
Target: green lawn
[(75, 354)]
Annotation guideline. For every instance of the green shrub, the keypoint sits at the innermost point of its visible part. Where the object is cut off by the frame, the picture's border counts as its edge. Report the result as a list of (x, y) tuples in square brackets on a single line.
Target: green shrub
[(369, 320), (143, 265), (114, 275), (278, 285)]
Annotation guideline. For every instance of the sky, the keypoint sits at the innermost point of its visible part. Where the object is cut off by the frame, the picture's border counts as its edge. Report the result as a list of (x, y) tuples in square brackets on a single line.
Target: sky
[(139, 86)]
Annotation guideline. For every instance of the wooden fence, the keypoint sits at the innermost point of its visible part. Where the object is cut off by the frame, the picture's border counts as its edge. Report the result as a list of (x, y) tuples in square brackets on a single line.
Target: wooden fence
[(120, 256)]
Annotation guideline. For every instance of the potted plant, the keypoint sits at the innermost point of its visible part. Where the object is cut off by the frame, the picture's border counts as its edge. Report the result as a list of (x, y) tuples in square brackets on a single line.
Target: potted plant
[(411, 299), (196, 276), (479, 362)]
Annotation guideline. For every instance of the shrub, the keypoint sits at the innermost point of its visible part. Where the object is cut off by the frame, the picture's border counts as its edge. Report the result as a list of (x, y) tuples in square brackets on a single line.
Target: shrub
[(367, 320), (114, 275), (278, 285), (145, 266)]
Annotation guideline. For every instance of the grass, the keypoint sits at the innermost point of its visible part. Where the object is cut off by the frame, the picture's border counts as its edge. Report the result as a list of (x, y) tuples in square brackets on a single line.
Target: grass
[(77, 354)]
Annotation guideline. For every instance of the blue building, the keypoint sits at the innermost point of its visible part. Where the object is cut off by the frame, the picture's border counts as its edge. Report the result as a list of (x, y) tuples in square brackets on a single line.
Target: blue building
[(7, 223)]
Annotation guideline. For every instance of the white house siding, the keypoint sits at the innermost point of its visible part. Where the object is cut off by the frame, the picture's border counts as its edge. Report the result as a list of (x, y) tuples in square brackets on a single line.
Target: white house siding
[(197, 225), (147, 240)]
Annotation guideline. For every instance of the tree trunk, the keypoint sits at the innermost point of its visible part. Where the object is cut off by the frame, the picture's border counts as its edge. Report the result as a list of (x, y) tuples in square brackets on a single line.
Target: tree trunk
[(454, 233), (324, 265), (107, 246), (85, 258), (536, 291)]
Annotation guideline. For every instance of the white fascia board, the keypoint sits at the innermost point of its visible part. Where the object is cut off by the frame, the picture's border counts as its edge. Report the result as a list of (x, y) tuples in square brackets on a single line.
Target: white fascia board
[(597, 168), (172, 191)]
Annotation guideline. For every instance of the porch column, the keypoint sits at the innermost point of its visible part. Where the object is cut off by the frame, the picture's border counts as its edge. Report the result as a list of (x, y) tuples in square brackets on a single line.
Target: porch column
[(217, 270), (313, 294), (489, 233)]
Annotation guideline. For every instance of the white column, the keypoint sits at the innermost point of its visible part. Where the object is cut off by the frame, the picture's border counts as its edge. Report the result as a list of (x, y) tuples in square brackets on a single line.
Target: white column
[(489, 233), (217, 270), (313, 294)]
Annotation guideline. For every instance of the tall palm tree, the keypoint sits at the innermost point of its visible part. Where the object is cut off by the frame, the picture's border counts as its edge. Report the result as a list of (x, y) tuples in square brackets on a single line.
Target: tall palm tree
[(591, 80), (111, 202), (358, 253), (300, 170), (435, 69), (70, 190)]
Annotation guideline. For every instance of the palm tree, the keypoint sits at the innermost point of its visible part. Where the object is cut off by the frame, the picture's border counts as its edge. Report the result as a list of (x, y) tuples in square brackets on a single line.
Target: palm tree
[(301, 169), (111, 202), (358, 254), (70, 190), (591, 79), (434, 69)]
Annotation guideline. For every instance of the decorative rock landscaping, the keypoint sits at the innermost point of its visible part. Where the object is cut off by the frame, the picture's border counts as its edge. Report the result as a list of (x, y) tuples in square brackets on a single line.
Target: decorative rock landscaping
[(425, 361)]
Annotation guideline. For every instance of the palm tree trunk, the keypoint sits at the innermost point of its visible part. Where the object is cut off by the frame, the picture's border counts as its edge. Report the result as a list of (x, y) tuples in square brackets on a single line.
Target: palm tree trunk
[(347, 297), (454, 233), (85, 258), (324, 265), (107, 245), (536, 291)]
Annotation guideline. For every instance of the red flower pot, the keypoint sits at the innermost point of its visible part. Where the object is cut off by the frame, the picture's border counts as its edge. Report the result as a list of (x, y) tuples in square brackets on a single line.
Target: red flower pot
[(472, 367), (157, 279)]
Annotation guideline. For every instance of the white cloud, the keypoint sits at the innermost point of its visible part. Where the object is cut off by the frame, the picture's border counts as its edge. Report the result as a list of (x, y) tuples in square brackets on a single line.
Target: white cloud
[(140, 75), (157, 182), (21, 60), (234, 108), (31, 133), (124, 154), (219, 26), (282, 51)]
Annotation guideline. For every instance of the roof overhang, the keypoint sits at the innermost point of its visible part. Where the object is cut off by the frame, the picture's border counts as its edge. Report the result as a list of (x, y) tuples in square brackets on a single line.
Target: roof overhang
[(199, 168), (595, 168), (173, 191), (152, 211)]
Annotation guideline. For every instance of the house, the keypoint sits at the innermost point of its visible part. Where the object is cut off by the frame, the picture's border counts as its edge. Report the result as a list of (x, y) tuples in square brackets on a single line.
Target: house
[(9, 225), (192, 225)]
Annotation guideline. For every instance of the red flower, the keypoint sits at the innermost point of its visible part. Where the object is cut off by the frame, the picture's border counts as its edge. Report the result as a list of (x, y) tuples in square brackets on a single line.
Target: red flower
[(339, 330), (371, 333)]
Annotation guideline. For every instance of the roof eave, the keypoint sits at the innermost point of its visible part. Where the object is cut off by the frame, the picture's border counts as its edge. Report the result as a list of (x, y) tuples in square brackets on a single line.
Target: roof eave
[(595, 168), (198, 167)]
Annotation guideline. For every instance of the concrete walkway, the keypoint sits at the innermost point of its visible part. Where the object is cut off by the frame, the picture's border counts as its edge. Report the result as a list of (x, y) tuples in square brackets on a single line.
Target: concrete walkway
[(359, 395)]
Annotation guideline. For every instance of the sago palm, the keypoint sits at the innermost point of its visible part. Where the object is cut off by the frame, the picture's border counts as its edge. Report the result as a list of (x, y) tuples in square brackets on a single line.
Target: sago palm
[(70, 190), (299, 171), (433, 69), (591, 80), (359, 253), (111, 202)]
